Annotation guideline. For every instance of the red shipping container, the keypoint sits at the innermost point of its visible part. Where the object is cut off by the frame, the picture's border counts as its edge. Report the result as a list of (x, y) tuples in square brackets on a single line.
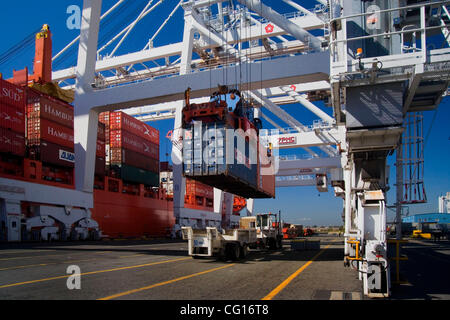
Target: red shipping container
[(120, 120), (126, 140), (100, 166), (12, 118), (164, 166), (101, 149), (123, 156), (51, 153), (41, 129), (104, 118), (12, 142), (101, 132), (266, 173), (46, 107), (12, 95)]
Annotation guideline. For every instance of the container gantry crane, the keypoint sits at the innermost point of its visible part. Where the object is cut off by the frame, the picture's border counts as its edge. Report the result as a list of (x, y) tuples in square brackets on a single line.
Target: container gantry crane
[(371, 62)]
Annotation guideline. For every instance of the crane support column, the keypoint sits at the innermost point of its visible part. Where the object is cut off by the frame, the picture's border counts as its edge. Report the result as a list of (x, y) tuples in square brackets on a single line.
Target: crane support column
[(179, 180), (86, 119)]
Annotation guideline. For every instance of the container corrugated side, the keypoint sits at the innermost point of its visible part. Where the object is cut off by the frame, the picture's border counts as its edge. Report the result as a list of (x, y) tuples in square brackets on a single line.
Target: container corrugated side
[(12, 95), (209, 165), (123, 121), (104, 118), (126, 140), (266, 174), (42, 106), (41, 129), (101, 149), (100, 166), (136, 175), (199, 189), (12, 142), (101, 133), (51, 153), (12, 118), (120, 156)]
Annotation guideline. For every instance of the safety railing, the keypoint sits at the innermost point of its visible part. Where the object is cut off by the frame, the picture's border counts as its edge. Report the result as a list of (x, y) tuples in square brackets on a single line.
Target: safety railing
[(417, 52)]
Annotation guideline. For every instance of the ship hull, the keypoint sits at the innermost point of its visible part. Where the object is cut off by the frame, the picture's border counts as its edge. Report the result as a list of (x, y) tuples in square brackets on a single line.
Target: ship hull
[(128, 216)]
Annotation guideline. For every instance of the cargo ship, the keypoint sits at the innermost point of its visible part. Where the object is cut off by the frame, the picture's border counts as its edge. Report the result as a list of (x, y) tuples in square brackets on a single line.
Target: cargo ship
[(130, 197)]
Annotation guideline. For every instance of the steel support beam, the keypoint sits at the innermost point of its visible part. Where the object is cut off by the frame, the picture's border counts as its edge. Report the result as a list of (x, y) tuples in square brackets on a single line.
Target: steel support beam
[(323, 163), (309, 105), (278, 72), (282, 22)]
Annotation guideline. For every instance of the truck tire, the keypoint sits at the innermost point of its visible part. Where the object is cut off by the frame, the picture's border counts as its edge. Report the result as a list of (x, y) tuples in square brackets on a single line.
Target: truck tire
[(272, 244), (279, 242), (232, 252), (244, 252), (236, 252), (228, 252)]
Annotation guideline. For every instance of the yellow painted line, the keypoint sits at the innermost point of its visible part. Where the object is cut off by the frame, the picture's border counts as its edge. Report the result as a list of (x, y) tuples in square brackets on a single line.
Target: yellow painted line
[(52, 255), (284, 284), (24, 267), (92, 272), (31, 257), (135, 255), (64, 262), (28, 251), (118, 295)]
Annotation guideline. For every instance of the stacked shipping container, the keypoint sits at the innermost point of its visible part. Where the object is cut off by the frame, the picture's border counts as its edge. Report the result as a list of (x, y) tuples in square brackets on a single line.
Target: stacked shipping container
[(50, 136), (206, 148), (100, 156), (199, 195), (132, 149), (12, 128)]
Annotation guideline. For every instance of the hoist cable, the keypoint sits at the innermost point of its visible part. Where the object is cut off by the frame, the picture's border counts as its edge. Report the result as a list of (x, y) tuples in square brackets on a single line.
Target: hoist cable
[(19, 47)]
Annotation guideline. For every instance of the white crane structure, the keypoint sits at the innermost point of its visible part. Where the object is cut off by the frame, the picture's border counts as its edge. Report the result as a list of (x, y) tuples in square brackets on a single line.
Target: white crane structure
[(367, 63)]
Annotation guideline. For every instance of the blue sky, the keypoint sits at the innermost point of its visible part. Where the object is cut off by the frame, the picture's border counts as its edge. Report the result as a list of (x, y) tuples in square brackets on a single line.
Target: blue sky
[(298, 205)]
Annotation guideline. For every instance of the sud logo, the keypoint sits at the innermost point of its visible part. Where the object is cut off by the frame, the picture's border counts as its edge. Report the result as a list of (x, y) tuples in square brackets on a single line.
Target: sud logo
[(66, 156)]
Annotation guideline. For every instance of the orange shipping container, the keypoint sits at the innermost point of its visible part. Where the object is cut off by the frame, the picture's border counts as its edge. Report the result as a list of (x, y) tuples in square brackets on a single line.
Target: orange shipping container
[(199, 189)]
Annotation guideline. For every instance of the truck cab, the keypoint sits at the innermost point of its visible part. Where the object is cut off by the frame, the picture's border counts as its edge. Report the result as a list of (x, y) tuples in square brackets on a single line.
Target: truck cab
[(269, 230)]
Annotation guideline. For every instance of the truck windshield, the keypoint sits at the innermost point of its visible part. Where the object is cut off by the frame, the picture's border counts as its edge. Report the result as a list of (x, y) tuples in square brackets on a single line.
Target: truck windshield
[(262, 221)]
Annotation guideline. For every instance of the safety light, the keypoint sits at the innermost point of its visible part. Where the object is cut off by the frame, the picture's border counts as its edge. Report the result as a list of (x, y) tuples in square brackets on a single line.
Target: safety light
[(359, 53)]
